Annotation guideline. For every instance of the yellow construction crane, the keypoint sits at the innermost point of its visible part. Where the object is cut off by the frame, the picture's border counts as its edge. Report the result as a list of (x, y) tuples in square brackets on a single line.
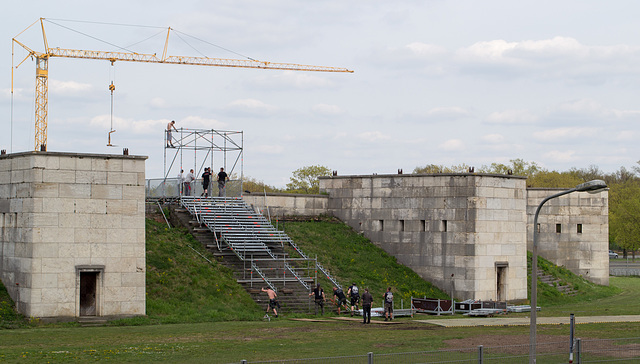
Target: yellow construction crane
[(42, 72)]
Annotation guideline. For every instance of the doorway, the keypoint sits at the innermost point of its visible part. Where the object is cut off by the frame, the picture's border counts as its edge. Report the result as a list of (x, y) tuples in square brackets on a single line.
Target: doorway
[(88, 293), (501, 281)]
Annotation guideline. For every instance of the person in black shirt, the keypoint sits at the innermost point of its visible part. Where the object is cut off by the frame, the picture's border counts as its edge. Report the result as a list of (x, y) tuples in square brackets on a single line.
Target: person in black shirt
[(354, 294), (222, 180), (341, 299), (319, 298), (206, 179), (367, 300)]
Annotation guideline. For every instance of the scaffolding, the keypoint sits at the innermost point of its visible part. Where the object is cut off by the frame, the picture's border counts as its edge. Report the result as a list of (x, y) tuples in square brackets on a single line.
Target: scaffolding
[(199, 148)]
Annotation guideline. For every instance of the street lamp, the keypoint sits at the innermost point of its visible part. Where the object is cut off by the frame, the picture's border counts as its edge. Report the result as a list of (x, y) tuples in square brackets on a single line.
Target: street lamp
[(594, 186)]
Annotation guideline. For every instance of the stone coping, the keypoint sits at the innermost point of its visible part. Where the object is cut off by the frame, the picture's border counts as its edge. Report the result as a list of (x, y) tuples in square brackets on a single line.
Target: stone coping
[(412, 175), (73, 154)]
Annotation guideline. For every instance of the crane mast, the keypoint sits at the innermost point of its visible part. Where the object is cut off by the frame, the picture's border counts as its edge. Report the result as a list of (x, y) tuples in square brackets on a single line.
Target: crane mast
[(42, 70)]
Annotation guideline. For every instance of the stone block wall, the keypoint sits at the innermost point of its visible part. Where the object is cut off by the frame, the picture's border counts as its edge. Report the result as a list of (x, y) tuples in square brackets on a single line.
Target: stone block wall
[(72, 233), (573, 231), (466, 233), (290, 204)]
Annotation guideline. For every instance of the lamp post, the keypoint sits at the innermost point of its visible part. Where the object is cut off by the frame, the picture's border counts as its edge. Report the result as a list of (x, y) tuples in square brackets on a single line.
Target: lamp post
[(593, 186)]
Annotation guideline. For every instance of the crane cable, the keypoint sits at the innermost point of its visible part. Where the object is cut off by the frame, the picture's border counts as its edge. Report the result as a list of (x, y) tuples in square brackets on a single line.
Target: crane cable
[(112, 87)]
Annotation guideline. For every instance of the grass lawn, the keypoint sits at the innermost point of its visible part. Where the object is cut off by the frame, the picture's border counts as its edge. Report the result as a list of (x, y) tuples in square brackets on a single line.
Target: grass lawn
[(225, 342), (198, 313)]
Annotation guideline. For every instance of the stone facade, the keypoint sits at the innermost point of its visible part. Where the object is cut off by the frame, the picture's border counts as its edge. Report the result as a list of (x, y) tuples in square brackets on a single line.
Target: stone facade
[(280, 204), (573, 231), (466, 233), (72, 239)]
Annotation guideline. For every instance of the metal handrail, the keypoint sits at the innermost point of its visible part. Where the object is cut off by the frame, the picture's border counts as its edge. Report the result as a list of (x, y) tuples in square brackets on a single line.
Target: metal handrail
[(290, 268), (264, 278)]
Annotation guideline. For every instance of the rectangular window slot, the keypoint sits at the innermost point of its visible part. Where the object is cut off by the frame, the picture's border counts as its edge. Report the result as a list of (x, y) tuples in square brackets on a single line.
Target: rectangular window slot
[(423, 225), (579, 229), (558, 228), (443, 226), (401, 225)]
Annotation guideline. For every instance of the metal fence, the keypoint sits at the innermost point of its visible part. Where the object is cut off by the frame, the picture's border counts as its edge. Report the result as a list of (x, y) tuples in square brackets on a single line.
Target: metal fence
[(172, 188), (625, 350)]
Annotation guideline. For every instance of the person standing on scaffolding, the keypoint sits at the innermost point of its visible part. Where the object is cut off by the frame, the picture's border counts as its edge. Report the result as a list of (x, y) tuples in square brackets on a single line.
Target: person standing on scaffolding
[(187, 182), (170, 126), (206, 178), (181, 182), (222, 180)]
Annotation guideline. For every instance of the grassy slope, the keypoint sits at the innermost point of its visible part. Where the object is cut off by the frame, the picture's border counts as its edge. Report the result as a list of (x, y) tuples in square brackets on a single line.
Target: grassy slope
[(352, 258), (550, 296), (183, 287)]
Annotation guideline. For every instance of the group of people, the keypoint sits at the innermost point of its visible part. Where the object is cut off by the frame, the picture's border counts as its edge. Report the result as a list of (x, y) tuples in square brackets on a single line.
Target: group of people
[(340, 300), (187, 181)]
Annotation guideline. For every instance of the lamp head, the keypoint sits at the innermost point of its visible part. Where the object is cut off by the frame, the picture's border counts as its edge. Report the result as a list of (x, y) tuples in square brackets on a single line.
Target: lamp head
[(593, 186)]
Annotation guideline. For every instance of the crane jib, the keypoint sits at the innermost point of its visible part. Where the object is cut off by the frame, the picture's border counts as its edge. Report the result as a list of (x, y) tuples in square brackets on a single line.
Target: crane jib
[(187, 60)]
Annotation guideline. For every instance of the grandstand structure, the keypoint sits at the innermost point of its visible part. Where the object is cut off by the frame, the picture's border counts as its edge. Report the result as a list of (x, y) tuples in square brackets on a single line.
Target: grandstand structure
[(260, 254), (197, 149)]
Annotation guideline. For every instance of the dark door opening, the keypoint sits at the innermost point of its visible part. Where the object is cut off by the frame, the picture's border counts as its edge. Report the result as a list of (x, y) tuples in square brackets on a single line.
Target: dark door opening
[(500, 284), (88, 286)]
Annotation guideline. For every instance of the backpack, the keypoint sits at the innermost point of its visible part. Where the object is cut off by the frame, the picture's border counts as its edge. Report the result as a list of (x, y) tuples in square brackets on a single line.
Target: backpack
[(389, 297), (354, 290)]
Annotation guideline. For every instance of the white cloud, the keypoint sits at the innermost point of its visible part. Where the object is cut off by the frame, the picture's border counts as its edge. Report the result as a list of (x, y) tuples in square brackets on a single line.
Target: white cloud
[(151, 126), (68, 87), (293, 79), (252, 106), (489, 51), (328, 110), (561, 156), (158, 102), (560, 134), (582, 106), (269, 149), (425, 50), (374, 136), (626, 136), (511, 117), (452, 145), (448, 112), (493, 138)]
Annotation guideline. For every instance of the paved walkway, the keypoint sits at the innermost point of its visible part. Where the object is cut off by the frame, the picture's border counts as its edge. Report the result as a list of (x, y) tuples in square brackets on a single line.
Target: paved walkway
[(524, 321)]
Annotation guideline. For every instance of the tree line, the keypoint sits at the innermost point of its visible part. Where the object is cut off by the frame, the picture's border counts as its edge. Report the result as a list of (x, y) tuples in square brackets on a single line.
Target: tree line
[(624, 189)]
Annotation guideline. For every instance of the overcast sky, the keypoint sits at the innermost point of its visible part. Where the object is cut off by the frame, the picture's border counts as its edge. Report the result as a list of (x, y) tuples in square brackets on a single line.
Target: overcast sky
[(434, 82)]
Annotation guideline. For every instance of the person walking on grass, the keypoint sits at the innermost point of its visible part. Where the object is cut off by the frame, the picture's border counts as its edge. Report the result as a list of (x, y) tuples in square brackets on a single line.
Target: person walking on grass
[(318, 298), (341, 299), (367, 300), (388, 305), (354, 294), (273, 300)]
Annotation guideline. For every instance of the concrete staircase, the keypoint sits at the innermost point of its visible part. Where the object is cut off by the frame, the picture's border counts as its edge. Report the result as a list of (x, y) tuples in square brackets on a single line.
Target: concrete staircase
[(292, 294), (556, 283)]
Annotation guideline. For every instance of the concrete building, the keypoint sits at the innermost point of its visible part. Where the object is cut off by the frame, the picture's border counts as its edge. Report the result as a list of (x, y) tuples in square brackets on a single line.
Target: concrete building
[(72, 233), (466, 233)]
